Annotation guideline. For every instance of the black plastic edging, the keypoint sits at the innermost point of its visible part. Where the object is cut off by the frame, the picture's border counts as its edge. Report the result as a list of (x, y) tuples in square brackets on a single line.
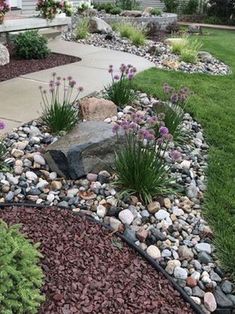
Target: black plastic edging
[(143, 254)]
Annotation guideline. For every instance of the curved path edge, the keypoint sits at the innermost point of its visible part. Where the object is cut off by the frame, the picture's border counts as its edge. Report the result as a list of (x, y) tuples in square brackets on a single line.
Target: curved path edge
[(20, 98)]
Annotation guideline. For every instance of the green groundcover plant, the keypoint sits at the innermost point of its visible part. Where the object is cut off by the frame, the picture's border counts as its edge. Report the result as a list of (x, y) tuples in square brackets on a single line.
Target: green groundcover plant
[(133, 33), (120, 90), (140, 165), (60, 113), (31, 45), (20, 276), (82, 29)]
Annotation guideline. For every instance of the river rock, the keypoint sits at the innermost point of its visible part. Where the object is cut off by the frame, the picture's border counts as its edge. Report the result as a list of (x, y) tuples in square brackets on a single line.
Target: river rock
[(209, 302), (4, 55), (97, 25), (89, 148), (153, 251)]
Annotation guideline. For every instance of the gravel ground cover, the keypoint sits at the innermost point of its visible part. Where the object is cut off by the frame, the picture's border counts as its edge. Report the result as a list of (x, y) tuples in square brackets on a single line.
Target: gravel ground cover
[(18, 67), (170, 229), (156, 52), (87, 270)]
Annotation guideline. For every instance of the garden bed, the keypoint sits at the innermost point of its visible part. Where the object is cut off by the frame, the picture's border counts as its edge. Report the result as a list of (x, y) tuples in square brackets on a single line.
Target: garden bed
[(170, 229), (87, 270), (157, 52), (18, 67)]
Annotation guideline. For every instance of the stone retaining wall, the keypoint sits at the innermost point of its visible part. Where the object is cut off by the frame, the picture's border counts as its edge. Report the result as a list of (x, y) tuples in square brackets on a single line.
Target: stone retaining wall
[(164, 20)]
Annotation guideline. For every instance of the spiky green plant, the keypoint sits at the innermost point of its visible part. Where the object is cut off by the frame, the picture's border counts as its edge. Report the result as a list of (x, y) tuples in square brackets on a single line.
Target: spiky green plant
[(20, 276)]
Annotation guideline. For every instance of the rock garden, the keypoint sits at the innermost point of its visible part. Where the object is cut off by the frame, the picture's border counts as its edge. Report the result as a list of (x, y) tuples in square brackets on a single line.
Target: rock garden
[(118, 167), (165, 45), (131, 161)]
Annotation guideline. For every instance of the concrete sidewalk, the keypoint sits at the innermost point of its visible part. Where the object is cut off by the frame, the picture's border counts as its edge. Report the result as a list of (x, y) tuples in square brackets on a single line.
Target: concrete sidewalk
[(20, 99)]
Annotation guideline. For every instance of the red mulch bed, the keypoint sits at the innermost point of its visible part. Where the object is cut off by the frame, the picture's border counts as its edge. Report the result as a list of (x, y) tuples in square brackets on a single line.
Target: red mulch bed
[(86, 270), (18, 67)]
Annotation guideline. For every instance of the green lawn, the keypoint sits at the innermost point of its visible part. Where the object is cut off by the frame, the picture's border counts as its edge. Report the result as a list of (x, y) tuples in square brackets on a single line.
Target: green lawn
[(213, 105)]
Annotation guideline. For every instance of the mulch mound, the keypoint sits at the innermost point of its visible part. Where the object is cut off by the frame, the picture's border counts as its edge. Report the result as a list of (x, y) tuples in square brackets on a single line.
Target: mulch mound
[(18, 67), (87, 270)]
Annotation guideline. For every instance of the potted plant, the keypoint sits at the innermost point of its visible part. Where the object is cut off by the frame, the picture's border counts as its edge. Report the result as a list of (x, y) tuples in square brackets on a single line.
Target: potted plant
[(4, 8), (49, 9)]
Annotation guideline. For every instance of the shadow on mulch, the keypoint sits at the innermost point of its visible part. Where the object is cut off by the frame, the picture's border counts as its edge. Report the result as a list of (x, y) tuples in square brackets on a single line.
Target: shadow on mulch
[(18, 67), (87, 270)]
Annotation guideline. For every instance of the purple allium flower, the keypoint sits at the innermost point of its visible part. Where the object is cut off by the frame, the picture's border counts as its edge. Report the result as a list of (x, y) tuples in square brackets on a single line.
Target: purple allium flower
[(51, 89), (163, 130), (69, 78), (58, 78), (130, 76), (57, 83), (44, 92), (80, 89), (174, 98), (53, 74), (175, 155), (115, 128), (152, 120), (110, 70), (116, 77), (40, 87), (167, 137), (72, 83), (148, 136), (166, 88), (2, 125)]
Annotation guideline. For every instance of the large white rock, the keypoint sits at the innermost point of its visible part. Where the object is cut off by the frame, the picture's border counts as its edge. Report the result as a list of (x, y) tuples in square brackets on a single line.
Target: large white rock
[(153, 251), (4, 55), (126, 216)]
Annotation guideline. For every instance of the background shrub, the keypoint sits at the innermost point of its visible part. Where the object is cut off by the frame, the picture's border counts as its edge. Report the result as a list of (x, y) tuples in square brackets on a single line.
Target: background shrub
[(20, 276), (82, 29), (156, 11), (223, 9), (171, 6), (190, 7), (31, 45), (127, 4), (172, 28)]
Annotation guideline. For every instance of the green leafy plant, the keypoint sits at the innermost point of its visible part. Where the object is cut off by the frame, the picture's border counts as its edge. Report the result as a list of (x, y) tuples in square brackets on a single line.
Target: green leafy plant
[(82, 29), (59, 112), (31, 45), (115, 11), (171, 6), (21, 277), (120, 91), (190, 7), (156, 11), (139, 165), (107, 7), (127, 4)]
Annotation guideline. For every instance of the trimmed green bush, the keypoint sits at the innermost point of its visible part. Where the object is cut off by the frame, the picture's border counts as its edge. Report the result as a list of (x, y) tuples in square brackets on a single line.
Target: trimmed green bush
[(156, 11), (31, 45), (20, 276)]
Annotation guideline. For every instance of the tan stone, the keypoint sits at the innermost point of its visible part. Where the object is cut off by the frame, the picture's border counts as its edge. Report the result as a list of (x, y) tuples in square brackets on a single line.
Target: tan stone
[(171, 64), (153, 207), (131, 13), (56, 185), (97, 109)]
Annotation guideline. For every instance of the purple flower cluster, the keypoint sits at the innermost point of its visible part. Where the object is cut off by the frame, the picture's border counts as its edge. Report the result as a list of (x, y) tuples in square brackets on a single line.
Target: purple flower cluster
[(2, 125), (126, 72), (147, 128), (176, 97), (66, 96)]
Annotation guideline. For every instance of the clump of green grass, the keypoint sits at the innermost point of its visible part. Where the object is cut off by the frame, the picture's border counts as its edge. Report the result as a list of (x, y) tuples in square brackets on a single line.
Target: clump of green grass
[(136, 36), (189, 53), (82, 29)]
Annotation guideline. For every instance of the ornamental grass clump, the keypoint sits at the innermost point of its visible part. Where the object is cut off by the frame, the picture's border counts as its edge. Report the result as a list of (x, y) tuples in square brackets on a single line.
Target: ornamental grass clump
[(140, 165), (189, 53), (60, 111), (120, 91), (136, 35), (82, 29), (20, 276)]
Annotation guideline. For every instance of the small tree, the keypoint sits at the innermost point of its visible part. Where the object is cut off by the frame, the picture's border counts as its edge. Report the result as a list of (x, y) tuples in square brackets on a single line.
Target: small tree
[(224, 9)]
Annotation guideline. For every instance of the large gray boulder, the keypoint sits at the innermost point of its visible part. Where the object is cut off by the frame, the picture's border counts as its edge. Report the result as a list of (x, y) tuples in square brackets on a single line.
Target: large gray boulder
[(97, 25), (89, 147), (4, 55)]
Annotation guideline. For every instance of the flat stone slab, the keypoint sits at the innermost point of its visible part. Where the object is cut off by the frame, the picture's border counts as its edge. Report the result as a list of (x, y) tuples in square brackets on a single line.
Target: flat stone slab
[(89, 147)]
